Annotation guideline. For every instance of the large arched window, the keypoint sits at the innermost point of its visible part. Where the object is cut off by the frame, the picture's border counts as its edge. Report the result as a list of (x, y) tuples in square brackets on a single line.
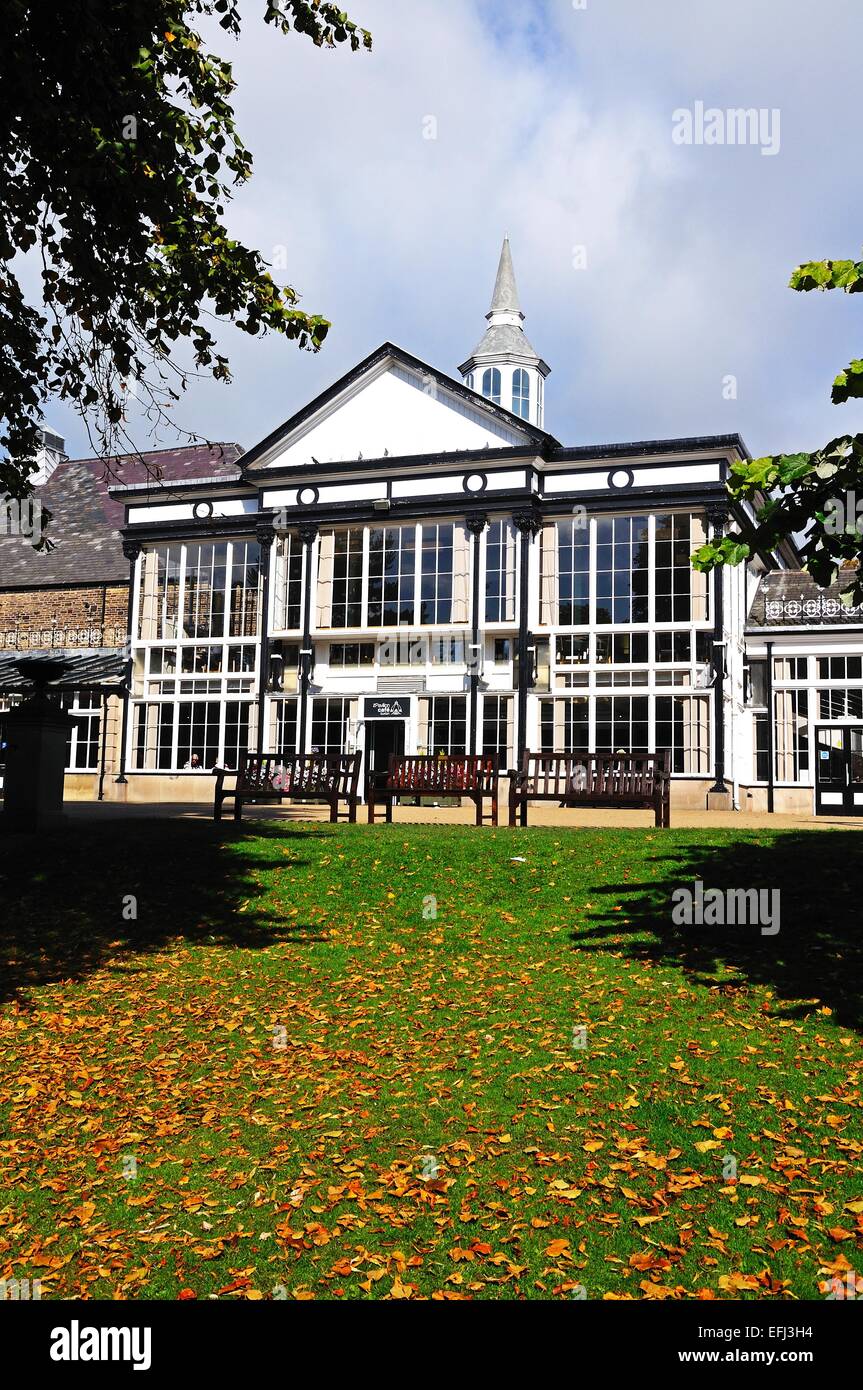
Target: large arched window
[(521, 394), (468, 381), (491, 384)]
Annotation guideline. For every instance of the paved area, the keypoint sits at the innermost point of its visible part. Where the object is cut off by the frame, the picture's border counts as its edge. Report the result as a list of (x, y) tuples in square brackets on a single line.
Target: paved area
[(540, 814)]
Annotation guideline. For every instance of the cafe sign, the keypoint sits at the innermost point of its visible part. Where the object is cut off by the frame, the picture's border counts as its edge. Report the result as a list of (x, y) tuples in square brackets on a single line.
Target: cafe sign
[(386, 709)]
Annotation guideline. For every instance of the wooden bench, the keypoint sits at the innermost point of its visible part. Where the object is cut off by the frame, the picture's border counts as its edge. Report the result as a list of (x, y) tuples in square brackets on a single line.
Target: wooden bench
[(473, 777), (328, 777), (641, 781)]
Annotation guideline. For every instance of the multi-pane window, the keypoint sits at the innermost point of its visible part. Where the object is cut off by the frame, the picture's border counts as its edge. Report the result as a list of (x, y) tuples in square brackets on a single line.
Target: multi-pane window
[(565, 726), (347, 654), (491, 384), (622, 648), (159, 597), (446, 717), (683, 726), (839, 703), (285, 739), (792, 734), (622, 569), (216, 587), (796, 668), (762, 750), (330, 718), (499, 573), (573, 571), (521, 393), (840, 668), (497, 728), (287, 609), (392, 566), (189, 735), (436, 583), (681, 592), (347, 596), (82, 740), (622, 724)]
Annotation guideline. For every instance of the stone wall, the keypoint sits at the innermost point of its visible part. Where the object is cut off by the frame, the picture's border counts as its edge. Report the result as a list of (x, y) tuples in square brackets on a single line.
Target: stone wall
[(93, 615)]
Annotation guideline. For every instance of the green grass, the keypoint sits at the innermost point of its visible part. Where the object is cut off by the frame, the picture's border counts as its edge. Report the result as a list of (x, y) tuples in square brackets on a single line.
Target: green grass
[(428, 1127)]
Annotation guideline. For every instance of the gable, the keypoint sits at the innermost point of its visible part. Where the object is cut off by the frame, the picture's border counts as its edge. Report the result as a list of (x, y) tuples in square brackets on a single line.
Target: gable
[(392, 407)]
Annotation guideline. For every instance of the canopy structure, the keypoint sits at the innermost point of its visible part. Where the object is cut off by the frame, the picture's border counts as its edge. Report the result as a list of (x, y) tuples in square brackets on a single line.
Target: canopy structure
[(99, 667)]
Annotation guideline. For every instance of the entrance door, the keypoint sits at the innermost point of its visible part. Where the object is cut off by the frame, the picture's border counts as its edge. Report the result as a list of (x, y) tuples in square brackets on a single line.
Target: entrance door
[(383, 738), (839, 771)]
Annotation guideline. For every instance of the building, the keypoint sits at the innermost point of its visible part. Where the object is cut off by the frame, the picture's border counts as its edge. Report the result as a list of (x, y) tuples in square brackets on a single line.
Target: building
[(413, 563)]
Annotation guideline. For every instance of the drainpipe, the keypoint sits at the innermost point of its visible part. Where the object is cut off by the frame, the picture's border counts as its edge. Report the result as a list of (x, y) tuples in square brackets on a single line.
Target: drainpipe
[(131, 550), (770, 740), (265, 535), (103, 752), (476, 524), (307, 536)]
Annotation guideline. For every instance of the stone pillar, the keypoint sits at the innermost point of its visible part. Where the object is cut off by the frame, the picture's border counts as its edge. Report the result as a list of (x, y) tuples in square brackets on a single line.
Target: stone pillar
[(35, 766)]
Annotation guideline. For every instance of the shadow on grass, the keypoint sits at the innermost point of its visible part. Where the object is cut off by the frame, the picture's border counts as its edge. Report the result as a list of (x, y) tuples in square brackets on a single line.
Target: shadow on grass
[(62, 895), (815, 960)]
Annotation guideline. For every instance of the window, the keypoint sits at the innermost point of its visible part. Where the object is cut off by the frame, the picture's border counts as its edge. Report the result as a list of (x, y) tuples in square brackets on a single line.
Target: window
[(792, 734), (793, 668), (762, 752), (499, 573), (840, 704), (436, 585), (82, 741), (330, 725), (491, 384), (565, 726), (159, 593), (683, 726), (573, 567), (287, 614), (502, 651), (497, 728), (622, 724), (681, 592), (521, 393), (286, 727), (622, 567), (392, 566), (622, 648), (347, 597), (468, 381), (446, 650), (572, 651), (755, 683), (840, 668), (352, 654), (673, 647), (446, 724)]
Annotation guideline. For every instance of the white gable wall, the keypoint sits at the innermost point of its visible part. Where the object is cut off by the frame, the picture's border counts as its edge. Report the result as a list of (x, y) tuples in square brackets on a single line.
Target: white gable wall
[(398, 411)]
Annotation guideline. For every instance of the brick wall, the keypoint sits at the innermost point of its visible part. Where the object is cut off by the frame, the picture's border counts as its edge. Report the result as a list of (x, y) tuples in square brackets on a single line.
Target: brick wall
[(93, 615)]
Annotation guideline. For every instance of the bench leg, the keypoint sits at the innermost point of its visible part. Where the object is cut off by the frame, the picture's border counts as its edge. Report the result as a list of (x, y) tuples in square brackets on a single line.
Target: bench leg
[(523, 812), (238, 808), (217, 808), (389, 812), (494, 809), (477, 801), (352, 812)]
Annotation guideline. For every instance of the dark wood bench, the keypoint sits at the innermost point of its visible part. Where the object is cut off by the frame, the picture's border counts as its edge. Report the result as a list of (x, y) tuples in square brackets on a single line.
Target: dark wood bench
[(473, 777), (641, 781), (328, 777)]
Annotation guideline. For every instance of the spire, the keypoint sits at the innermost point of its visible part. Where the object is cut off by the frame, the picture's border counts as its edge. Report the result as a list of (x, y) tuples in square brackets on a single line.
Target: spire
[(505, 298)]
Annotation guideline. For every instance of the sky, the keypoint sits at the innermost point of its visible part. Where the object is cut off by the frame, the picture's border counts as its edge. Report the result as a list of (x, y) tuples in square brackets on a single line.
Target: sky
[(653, 274)]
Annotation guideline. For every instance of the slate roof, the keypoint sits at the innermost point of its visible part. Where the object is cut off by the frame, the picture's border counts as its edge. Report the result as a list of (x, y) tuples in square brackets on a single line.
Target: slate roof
[(791, 598), (102, 666), (85, 520)]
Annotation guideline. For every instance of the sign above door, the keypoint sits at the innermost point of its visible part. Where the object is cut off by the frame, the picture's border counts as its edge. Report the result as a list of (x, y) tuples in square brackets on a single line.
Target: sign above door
[(386, 709)]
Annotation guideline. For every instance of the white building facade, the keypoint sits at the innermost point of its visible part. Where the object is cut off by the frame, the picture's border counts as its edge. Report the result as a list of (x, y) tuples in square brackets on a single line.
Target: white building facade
[(412, 563)]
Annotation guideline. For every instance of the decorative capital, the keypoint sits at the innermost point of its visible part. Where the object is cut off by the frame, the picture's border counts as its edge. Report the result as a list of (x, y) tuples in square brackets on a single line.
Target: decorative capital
[(476, 523), (526, 522), (131, 549), (307, 533), (265, 532), (717, 516)]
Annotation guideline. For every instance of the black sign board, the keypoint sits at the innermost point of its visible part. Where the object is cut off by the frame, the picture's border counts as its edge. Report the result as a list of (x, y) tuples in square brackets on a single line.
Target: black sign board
[(386, 709)]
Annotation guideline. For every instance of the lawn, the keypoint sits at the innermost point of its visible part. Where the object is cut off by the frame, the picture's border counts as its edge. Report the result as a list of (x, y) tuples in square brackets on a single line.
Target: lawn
[(343, 1062)]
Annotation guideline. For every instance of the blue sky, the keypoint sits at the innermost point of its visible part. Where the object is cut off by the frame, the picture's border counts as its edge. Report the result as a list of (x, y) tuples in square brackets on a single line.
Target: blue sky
[(554, 123)]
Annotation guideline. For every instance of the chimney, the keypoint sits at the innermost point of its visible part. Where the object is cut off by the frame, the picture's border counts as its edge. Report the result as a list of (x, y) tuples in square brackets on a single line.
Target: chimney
[(51, 451)]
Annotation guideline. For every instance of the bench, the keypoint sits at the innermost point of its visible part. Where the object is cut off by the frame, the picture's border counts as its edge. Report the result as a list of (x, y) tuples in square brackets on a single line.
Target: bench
[(328, 777), (473, 777), (641, 781)]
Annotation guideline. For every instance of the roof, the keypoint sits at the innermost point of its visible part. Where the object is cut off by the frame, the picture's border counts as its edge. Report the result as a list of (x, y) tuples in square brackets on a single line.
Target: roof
[(85, 520), (505, 336), (250, 462), (101, 666), (505, 296), (791, 598)]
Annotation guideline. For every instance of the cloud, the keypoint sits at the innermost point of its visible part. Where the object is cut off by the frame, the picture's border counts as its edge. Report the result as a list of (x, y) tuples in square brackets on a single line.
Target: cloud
[(553, 123)]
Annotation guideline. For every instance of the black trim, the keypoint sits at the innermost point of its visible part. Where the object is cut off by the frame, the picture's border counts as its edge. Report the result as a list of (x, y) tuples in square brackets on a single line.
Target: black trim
[(202, 516), (475, 491), (620, 487), (771, 771), (308, 487)]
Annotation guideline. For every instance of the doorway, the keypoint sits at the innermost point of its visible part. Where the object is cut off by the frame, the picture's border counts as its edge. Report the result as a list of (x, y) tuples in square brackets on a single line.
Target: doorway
[(384, 738), (838, 771)]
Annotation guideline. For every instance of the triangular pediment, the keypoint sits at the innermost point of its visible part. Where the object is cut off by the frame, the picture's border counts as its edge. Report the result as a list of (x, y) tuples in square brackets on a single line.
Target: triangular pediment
[(391, 404)]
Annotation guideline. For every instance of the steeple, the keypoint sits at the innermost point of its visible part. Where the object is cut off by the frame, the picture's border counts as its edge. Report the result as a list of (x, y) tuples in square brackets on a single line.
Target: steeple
[(503, 366)]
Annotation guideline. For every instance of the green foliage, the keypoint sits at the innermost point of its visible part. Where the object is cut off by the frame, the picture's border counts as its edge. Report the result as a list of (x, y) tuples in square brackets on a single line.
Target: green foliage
[(118, 153), (806, 493)]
